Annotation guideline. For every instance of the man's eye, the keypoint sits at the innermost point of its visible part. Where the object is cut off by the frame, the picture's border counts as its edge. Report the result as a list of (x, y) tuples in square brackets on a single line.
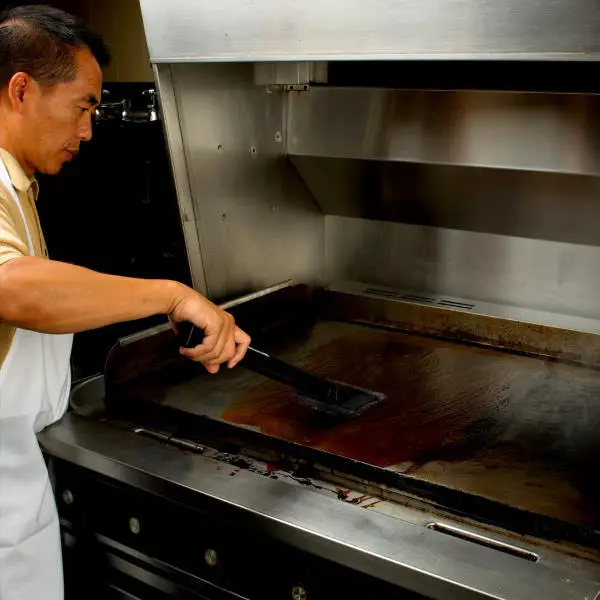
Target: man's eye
[(83, 108)]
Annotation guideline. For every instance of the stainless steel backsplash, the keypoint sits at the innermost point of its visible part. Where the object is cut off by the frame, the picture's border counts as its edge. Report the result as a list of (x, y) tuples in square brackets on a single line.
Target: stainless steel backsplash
[(492, 196)]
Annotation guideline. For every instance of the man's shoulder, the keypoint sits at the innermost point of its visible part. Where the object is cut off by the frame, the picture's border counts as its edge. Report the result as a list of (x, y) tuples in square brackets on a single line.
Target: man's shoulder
[(6, 198)]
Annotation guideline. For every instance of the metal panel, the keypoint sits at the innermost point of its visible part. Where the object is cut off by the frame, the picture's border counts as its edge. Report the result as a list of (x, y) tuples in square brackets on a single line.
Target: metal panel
[(289, 73), (188, 30), (258, 224), (392, 549), (541, 132), (549, 206), (164, 83), (528, 273)]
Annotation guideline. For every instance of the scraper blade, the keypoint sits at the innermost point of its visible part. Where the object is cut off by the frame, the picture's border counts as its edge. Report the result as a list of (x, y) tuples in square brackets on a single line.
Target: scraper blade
[(325, 396)]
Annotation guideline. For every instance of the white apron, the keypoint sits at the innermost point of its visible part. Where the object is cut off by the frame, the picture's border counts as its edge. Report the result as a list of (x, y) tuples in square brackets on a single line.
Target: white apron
[(34, 387)]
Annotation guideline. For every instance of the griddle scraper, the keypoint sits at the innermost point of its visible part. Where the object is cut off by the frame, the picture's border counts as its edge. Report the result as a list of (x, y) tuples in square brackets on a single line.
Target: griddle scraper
[(323, 395)]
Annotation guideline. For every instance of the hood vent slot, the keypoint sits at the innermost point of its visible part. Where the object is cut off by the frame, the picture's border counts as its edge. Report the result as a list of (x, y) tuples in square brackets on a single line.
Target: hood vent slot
[(418, 298)]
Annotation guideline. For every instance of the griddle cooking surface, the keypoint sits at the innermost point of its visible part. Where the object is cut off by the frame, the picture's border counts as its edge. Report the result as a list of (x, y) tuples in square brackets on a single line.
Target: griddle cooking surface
[(519, 430)]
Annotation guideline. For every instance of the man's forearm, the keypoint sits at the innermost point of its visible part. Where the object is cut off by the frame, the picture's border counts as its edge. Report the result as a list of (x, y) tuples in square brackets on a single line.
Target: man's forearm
[(56, 297)]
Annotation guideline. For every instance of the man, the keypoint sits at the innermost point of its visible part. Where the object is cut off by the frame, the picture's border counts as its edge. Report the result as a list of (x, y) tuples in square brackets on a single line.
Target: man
[(50, 82)]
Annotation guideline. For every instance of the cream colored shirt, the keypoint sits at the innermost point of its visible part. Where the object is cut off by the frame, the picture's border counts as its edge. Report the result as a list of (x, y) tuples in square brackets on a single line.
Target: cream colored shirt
[(13, 236)]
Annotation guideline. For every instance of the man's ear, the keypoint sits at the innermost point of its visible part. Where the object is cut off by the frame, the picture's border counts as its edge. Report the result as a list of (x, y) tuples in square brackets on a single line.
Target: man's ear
[(18, 86)]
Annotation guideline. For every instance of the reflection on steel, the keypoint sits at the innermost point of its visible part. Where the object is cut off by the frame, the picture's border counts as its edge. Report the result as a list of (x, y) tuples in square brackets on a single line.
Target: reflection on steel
[(392, 549), (533, 132), (181, 175), (484, 541), (256, 222), (187, 30)]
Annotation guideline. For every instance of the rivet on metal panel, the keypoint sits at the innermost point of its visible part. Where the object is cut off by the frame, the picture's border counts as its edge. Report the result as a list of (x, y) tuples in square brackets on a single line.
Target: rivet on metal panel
[(67, 497), (219, 147), (223, 216), (278, 136), (299, 593), (253, 151), (211, 558), (134, 526)]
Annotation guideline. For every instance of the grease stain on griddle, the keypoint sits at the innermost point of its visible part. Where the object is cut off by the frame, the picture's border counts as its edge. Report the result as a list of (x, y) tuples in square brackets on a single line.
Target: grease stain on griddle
[(517, 429), (434, 394)]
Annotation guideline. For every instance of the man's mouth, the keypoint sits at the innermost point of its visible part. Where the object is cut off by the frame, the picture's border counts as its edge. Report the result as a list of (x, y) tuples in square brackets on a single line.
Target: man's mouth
[(71, 154)]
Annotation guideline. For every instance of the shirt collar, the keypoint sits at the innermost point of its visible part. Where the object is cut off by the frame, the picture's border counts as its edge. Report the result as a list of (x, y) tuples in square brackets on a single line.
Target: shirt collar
[(18, 178)]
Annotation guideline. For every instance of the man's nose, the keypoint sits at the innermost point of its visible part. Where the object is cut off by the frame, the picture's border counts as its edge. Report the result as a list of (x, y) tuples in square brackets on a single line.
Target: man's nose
[(85, 128)]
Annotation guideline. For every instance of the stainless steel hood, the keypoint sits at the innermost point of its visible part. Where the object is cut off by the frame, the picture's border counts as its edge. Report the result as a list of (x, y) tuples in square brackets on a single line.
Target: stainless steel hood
[(238, 30)]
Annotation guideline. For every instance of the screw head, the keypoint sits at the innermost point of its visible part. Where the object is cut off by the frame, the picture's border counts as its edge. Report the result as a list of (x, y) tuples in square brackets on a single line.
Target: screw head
[(134, 526), (67, 497), (211, 558), (299, 593)]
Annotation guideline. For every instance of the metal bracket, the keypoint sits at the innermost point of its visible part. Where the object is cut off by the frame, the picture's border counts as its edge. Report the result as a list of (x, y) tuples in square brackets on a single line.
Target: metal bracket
[(293, 76)]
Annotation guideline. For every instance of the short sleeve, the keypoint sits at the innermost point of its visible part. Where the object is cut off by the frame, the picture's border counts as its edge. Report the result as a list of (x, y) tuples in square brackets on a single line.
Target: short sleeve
[(13, 241)]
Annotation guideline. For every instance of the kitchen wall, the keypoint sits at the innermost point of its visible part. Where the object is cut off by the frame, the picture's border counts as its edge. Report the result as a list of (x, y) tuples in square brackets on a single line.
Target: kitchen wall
[(119, 22)]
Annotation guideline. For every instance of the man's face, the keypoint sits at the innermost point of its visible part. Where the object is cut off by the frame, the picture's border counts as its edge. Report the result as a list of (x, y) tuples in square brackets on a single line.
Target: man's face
[(57, 119)]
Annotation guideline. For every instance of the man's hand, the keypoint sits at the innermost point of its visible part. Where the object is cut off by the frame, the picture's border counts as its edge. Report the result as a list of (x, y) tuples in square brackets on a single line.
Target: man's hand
[(223, 341), (55, 297)]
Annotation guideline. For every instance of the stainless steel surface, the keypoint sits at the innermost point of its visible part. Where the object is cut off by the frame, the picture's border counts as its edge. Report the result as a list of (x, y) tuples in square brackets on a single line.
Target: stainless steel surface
[(533, 132), (151, 572), (517, 430), (370, 496), (507, 236), (394, 550), (187, 30), (256, 295), (257, 224), (542, 333), (553, 277), (289, 73), (545, 206), (173, 134), (165, 327)]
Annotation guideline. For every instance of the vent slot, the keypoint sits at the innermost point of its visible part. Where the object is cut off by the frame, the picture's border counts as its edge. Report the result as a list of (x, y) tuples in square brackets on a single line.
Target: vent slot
[(385, 293), (453, 304), (416, 298), (392, 295), (484, 541)]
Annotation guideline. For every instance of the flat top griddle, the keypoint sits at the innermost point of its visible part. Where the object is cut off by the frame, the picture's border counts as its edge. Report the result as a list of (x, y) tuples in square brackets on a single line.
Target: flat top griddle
[(514, 429)]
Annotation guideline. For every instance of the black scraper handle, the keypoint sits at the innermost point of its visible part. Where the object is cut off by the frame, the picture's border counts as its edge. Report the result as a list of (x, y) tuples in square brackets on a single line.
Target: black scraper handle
[(264, 364)]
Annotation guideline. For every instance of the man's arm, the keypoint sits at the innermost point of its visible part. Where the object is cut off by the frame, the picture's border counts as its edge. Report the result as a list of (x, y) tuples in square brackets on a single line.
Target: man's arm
[(56, 297)]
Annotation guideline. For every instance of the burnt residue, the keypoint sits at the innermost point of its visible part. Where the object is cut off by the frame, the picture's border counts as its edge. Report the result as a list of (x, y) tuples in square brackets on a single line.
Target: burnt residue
[(517, 429), (342, 494), (434, 393), (241, 464)]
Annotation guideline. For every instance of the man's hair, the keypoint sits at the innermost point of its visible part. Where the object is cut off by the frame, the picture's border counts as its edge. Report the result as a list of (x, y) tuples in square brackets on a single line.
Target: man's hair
[(41, 40)]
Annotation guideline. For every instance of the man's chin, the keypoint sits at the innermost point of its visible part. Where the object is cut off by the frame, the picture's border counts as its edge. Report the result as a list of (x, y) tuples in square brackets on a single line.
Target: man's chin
[(52, 169)]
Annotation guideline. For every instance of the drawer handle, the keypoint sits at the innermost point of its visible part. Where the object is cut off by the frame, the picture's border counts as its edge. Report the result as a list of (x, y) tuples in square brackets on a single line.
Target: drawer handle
[(484, 541)]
